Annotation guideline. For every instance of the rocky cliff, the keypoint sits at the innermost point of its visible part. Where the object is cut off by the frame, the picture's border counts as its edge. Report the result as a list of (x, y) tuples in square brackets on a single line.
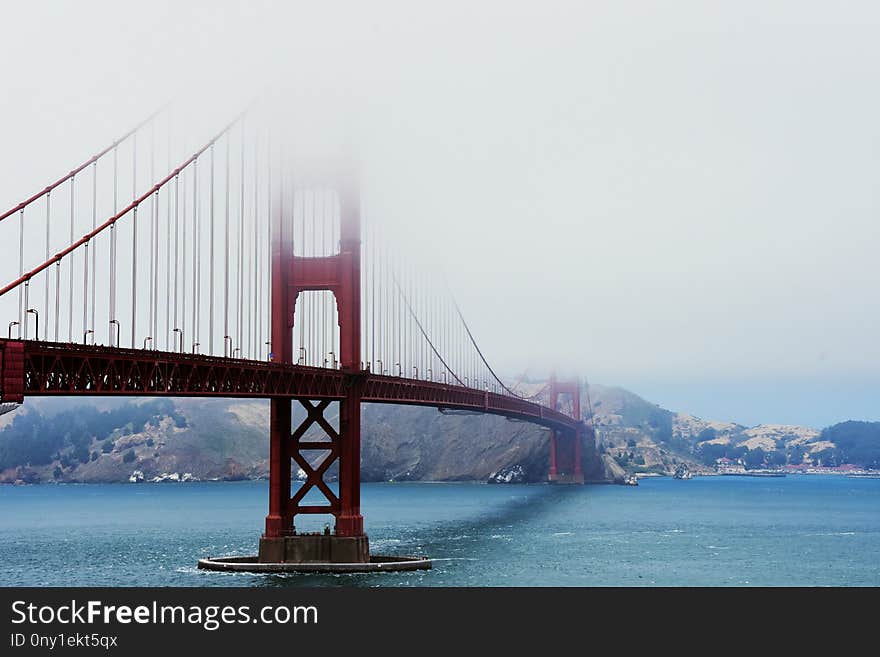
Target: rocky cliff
[(106, 440), (227, 439)]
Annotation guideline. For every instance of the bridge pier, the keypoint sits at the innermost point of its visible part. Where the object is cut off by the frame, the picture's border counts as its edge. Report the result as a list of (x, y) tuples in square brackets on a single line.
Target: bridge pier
[(347, 547), (280, 542), (279, 522), (565, 447), (565, 458)]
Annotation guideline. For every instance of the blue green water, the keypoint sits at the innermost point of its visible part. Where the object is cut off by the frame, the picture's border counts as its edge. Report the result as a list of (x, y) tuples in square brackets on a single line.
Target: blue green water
[(795, 531)]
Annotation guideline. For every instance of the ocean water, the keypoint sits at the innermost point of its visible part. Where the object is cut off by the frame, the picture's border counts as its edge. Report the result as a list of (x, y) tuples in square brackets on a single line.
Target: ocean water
[(708, 531)]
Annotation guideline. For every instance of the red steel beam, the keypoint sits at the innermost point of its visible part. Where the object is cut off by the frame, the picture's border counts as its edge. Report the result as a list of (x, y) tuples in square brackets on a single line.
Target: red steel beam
[(38, 368), (116, 217)]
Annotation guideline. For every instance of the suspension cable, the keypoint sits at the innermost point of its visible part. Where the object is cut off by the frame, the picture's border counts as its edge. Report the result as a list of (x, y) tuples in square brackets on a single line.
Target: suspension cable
[(108, 224), (422, 330), (81, 167), (480, 353)]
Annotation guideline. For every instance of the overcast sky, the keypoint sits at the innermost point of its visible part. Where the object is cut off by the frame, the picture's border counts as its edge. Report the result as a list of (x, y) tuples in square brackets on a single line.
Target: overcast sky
[(680, 198)]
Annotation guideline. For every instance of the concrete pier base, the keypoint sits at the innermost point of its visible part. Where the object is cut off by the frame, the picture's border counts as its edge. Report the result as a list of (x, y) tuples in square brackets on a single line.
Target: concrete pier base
[(376, 564), (315, 553), (566, 479), (315, 548)]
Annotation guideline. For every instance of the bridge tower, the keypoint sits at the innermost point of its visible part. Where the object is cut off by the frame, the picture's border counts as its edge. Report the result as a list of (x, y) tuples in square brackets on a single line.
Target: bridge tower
[(565, 446), (339, 273)]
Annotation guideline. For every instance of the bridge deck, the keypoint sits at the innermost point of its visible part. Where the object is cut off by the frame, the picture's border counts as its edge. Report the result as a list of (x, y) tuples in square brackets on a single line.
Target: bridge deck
[(29, 368)]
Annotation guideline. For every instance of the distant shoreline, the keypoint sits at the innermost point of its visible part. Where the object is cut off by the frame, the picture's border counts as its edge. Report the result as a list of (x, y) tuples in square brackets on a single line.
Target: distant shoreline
[(645, 475)]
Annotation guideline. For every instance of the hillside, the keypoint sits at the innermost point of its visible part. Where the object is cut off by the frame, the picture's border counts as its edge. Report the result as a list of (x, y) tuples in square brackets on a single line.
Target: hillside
[(46, 441), (642, 437), (106, 440)]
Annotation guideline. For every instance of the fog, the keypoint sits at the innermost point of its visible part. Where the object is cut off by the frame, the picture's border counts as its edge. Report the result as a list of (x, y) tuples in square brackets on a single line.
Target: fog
[(678, 198)]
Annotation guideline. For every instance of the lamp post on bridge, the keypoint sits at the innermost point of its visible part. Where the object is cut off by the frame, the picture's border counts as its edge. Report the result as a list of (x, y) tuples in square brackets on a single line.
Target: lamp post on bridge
[(36, 315), (114, 341)]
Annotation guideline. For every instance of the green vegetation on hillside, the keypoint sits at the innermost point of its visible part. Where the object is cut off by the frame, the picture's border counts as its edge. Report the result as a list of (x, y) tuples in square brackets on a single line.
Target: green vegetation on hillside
[(857, 442), (37, 439)]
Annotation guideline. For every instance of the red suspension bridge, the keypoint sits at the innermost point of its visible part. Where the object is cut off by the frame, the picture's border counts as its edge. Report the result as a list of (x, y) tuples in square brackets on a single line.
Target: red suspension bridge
[(236, 275)]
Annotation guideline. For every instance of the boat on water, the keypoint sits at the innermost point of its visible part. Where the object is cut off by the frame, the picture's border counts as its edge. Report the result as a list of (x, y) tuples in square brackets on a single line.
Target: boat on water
[(752, 474)]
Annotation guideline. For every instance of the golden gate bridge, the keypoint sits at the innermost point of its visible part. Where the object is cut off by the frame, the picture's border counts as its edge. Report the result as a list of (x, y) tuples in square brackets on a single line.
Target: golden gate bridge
[(238, 272)]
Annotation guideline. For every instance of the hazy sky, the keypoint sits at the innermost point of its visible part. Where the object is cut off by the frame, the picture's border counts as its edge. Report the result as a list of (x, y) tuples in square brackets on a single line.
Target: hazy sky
[(677, 197)]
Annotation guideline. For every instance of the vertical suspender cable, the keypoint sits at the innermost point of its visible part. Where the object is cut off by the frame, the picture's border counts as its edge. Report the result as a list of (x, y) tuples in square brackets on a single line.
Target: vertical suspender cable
[(155, 283), (95, 245), (133, 274), (331, 300), (392, 318), (183, 266), (407, 318), (268, 240), (364, 300), (21, 308), (176, 249), (401, 322), (134, 227), (57, 296), (154, 204), (322, 296), (252, 306), (111, 339), (70, 291), (85, 308), (313, 324), (211, 264), (382, 356), (373, 294), (46, 302), (151, 302), (249, 287), (386, 287), (303, 354), (421, 317), (168, 225), (226, 257), (256, 307), (156, 262), (238, 297), (195, 283)]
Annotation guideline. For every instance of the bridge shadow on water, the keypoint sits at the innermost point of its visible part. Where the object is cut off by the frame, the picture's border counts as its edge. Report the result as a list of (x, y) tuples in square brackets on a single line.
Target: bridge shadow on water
[(467, 542)]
